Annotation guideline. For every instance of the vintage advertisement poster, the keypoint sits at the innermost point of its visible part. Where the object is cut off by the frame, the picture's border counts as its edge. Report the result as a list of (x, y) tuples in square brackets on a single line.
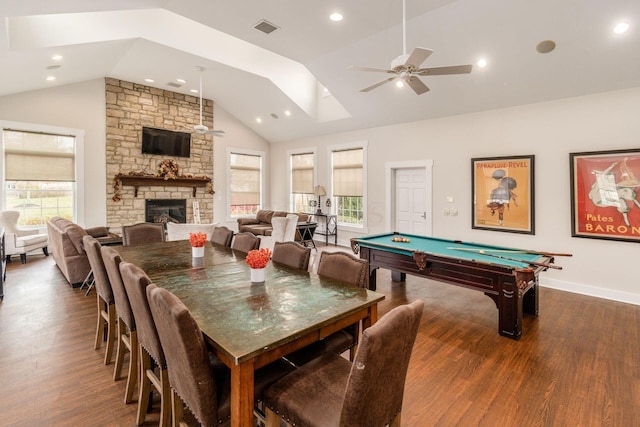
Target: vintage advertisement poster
[(604, 193), (503, 194)]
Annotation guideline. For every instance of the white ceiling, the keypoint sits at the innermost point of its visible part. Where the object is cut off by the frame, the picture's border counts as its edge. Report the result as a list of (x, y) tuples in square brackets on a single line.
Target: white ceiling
[(252, 74)]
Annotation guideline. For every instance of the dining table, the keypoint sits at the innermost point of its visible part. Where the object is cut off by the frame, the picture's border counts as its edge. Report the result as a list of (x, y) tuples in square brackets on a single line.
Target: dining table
[(249, 325)]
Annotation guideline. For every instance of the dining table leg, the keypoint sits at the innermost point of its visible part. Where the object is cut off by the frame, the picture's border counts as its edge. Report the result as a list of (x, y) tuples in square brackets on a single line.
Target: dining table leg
[(242, 394)]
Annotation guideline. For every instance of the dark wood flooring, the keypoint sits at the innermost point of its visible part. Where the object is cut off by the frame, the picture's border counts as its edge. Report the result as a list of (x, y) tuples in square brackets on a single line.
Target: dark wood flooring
[(577, 364)]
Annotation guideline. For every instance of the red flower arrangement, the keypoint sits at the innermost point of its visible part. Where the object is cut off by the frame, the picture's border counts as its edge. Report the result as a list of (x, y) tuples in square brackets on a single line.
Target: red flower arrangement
[(198, 239), (258, 258)]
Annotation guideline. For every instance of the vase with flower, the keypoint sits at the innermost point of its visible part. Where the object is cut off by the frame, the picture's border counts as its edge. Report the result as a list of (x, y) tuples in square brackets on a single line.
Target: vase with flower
[(258, 259), (197, 240)]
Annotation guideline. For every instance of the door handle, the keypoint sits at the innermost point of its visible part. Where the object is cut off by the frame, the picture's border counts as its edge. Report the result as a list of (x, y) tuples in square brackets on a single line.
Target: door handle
[(424, 215)]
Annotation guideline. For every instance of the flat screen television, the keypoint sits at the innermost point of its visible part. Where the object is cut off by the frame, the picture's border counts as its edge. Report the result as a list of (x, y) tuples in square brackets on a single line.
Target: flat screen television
[(166, 142)]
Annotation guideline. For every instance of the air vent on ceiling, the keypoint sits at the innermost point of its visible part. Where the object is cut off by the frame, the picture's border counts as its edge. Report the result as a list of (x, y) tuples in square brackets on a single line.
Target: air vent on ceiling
[(174, 84), (265, 26)]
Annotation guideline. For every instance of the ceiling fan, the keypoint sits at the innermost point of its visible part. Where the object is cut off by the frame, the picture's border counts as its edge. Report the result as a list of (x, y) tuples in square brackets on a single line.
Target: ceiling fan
[(406, 68), (200, 128)]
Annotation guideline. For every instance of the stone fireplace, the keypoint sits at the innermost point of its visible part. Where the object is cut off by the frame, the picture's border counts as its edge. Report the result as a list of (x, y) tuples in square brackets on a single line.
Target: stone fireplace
[(130, 107), (165, 210)]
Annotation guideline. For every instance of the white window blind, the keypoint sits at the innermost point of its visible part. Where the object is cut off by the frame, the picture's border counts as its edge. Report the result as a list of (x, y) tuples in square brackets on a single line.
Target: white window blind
[(347, 172), (302, 173), (38, 156), (245, 179)]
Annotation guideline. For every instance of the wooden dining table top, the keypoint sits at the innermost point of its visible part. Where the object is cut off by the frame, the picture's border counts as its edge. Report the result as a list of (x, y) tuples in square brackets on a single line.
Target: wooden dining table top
[(241, 319)]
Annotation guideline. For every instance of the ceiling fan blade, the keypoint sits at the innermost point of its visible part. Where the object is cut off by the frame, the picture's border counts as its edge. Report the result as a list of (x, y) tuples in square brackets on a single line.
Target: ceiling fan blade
[(378, 70), (417, 85), (216, 132), (418, 56), (367, 89), (441, 71)]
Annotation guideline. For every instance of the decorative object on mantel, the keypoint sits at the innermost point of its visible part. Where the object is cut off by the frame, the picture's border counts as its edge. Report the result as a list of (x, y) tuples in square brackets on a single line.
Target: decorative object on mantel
[(258, 259), (167, 176), (197, 241)]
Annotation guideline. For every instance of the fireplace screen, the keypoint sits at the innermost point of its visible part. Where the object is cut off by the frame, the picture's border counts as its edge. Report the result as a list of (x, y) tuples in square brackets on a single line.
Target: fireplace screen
[(165, 210)]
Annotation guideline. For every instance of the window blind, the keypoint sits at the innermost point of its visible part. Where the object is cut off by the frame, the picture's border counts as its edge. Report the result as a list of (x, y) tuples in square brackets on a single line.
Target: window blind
[(38, 156), (302, 173), (347, 172), (245, 179)]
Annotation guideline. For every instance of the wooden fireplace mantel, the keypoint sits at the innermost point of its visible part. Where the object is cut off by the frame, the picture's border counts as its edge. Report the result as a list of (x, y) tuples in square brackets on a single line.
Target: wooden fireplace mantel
[(158, 181)]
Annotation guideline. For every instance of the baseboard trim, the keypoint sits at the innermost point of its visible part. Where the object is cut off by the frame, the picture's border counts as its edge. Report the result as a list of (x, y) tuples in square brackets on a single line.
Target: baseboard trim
[(594, 291)]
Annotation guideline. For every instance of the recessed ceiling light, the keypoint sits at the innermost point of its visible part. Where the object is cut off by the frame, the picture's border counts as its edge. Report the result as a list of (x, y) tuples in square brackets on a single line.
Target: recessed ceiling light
[(149, 80), (181, 81), (336, 17), (481, 63), (287, 112), (259, 120), (194, 90), (621, 27), (57, 57), (51, 78)]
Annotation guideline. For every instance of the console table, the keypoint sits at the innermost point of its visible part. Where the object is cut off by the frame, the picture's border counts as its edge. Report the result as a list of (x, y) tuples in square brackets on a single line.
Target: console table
[(328, 226)]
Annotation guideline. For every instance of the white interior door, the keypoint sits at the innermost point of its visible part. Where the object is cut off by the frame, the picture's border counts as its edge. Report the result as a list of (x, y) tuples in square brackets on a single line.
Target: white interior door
[(411, 212)]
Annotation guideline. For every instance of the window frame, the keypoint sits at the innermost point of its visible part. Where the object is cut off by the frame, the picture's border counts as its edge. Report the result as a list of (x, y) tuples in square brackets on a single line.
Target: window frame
[(290, 153), (263, 162), (78, 187), (350, 146)]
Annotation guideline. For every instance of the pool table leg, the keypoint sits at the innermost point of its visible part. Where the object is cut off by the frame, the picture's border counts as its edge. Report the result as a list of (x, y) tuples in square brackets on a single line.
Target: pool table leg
[(397, 276), (509, 302)]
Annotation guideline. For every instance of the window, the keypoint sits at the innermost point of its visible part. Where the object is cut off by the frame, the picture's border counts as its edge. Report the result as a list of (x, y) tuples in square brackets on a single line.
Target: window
[(348, 185), (245, 183), (302, 173), (39, 175)]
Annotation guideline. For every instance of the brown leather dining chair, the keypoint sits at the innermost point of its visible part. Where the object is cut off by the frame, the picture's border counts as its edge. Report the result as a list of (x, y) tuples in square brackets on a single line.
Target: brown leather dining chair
[(150, 350), (292, 254), (349, 270), (222, 236), (104, 295), (202, 384), (245, 242), (144, 232), (127, 336), (331, 391)]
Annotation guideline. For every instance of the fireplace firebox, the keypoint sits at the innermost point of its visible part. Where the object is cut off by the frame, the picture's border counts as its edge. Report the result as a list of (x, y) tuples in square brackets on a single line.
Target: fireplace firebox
[(165, 210)]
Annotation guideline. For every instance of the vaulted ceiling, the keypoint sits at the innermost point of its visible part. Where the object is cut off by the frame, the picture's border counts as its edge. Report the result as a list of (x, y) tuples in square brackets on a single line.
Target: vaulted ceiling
[(256, 75)]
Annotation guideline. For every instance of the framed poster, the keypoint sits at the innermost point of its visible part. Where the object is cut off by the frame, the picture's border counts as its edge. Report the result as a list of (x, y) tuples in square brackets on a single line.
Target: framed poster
[(502, 194), (604, 195)]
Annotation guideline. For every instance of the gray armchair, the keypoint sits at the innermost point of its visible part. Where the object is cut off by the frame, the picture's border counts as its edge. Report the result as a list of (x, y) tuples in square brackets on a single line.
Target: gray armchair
[(20, 241)]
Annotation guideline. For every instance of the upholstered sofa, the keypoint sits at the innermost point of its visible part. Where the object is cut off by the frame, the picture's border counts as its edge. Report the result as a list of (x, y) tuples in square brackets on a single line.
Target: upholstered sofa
[(65, 245), (261, 224)]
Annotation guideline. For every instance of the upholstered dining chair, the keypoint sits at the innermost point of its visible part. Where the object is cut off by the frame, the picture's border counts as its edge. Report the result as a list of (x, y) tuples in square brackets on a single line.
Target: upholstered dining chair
[(144, 232), (126, 336), (177, 231), (331, 391), (104, 295), (198, 379), (245, 242), (292, 254), (351, 271), (222, 236), (150, 350), (20, 241)]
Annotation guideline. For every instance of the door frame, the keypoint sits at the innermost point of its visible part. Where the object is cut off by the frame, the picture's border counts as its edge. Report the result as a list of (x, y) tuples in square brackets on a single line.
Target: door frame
[(390, 185)]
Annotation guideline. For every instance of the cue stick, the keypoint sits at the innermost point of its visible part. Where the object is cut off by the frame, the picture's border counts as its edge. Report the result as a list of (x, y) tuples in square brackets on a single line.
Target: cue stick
[(511, 251), (540, 264)]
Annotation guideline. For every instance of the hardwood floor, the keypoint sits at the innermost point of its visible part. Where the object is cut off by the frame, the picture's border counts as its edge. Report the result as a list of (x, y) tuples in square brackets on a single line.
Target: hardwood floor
[(577, 364)]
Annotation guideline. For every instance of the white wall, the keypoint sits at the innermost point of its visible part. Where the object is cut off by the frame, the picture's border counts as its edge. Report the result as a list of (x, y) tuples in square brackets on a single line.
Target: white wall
[(550, 131)]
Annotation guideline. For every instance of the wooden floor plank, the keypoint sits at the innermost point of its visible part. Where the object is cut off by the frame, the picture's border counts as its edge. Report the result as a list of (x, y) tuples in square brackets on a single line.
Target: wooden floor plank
[(577, 364)]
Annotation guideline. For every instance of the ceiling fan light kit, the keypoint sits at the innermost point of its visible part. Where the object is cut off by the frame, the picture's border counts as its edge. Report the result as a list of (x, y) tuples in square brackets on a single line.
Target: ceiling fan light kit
[(406, 67)]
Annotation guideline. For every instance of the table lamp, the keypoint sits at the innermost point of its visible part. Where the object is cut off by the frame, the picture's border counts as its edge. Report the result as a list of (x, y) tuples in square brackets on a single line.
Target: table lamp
[(319, 191)]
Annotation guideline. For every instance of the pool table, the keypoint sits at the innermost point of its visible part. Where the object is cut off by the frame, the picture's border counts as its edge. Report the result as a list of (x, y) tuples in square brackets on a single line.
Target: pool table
[(508, 276)]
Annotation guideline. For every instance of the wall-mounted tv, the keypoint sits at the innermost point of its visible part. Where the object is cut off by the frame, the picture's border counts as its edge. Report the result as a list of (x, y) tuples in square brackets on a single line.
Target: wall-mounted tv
[(166, 142)]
